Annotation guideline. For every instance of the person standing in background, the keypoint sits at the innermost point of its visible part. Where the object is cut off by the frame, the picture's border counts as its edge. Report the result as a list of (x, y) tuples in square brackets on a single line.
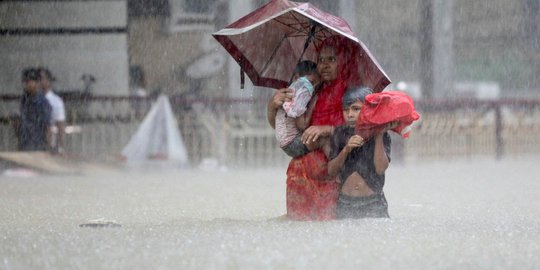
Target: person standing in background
[(35, 114), (58, 115)]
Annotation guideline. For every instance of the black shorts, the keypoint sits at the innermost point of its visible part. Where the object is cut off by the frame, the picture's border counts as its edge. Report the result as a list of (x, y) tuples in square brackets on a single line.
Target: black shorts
[(372, 206), (296, 148)]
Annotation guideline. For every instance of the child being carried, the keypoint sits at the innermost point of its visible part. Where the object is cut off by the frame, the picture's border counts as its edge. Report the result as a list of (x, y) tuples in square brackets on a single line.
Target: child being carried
[(294, 116)]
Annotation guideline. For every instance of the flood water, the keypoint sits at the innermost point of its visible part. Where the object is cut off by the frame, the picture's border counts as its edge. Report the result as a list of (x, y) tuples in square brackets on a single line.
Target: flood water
[(464, 214)]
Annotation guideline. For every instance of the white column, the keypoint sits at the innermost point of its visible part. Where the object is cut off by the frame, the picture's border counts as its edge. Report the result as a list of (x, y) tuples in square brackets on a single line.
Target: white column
[(443, 53)]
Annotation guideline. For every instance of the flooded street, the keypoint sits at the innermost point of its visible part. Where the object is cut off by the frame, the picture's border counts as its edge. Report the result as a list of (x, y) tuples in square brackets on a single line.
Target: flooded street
[(466, 214), (202, 82)]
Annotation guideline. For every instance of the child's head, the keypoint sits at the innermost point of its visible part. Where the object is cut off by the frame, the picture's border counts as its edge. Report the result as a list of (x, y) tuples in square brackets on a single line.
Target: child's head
[(352, 103), (308, 69)]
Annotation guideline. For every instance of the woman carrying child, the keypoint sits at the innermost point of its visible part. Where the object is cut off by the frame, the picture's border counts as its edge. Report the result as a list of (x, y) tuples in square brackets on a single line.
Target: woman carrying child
[(293, 116), (311, 193)]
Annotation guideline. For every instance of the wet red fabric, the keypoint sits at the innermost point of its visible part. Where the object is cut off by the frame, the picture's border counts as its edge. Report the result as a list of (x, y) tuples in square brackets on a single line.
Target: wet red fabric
[(311, 194), (385, 107), (328, 110)]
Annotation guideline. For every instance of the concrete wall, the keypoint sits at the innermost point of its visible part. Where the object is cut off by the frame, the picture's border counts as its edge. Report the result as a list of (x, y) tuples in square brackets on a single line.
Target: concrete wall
[(72, 38), (165, 56)]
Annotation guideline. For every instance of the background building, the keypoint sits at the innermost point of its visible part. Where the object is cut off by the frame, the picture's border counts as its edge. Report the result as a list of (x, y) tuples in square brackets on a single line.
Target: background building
[(72, 38), (169, 42)]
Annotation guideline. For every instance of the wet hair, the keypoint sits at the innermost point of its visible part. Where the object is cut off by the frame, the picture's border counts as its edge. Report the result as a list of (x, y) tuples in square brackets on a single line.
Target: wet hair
[(305, 67), (30, 74), (354, 94), (47, 73)]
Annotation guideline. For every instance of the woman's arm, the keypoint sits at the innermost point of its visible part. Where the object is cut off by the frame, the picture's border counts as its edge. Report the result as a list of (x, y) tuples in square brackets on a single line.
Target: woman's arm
[(280, 96), (335, 165), (379, 156), (312, 133)]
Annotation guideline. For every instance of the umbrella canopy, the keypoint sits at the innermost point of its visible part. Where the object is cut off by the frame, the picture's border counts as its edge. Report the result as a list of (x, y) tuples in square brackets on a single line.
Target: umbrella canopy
[(269, 42)]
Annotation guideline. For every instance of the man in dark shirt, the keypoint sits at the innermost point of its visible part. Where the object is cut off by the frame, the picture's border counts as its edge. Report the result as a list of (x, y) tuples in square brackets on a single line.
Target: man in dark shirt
[(360, 163), (35, 114)]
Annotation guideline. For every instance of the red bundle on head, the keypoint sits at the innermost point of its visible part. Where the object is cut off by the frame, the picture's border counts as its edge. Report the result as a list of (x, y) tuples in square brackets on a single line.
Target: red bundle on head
[(382, 108)]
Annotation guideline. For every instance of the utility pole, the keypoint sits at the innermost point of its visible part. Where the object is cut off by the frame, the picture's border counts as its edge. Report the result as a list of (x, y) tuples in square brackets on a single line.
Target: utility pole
[(443, 49), (426, 47), (436, 44)]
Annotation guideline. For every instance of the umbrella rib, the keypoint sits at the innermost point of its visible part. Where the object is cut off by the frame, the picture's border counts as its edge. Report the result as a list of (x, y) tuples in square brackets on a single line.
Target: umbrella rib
[(298, 30), (302, 24), (273, 55)]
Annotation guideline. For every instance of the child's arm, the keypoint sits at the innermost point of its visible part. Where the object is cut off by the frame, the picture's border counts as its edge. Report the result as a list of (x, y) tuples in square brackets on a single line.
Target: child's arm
[(280, 96), (380, 158), (302, 122), (335, 165)]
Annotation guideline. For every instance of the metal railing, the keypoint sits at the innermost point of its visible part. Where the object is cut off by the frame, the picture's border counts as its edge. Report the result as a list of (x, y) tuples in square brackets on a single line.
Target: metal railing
[(235, 132)]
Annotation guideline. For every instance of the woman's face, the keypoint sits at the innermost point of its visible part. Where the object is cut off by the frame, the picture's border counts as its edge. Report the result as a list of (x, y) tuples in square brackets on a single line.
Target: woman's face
[(327, 64)]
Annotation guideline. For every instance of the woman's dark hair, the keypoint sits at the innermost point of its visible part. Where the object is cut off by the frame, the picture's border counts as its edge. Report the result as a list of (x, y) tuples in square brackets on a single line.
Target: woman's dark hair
[(354, 94)]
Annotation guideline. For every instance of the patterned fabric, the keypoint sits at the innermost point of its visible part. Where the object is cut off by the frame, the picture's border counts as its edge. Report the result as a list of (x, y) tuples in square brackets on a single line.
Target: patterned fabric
[(286, 129), (303, 89)]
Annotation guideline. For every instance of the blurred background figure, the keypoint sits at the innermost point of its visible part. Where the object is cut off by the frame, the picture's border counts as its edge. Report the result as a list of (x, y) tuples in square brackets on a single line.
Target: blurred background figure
[(138, 92), (35, 114), (58, 114)]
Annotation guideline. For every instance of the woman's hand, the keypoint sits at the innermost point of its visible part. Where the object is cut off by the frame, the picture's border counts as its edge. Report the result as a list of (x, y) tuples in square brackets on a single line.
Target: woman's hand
[(312, 133)]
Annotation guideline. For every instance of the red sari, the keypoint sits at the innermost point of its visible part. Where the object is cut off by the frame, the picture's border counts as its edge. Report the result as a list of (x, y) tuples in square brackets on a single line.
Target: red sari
[(311, 193)]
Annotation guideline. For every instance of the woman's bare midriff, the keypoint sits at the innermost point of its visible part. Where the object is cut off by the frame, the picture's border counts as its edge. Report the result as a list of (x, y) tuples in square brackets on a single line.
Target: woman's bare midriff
[(355, 185)]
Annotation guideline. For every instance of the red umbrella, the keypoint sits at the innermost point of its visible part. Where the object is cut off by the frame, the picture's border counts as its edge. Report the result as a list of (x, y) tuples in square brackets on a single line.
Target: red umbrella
[(269, 42)]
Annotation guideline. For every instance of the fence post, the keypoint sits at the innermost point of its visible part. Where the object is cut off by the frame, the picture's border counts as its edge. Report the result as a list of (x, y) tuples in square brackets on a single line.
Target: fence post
[(222, 139), (499, 147)]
